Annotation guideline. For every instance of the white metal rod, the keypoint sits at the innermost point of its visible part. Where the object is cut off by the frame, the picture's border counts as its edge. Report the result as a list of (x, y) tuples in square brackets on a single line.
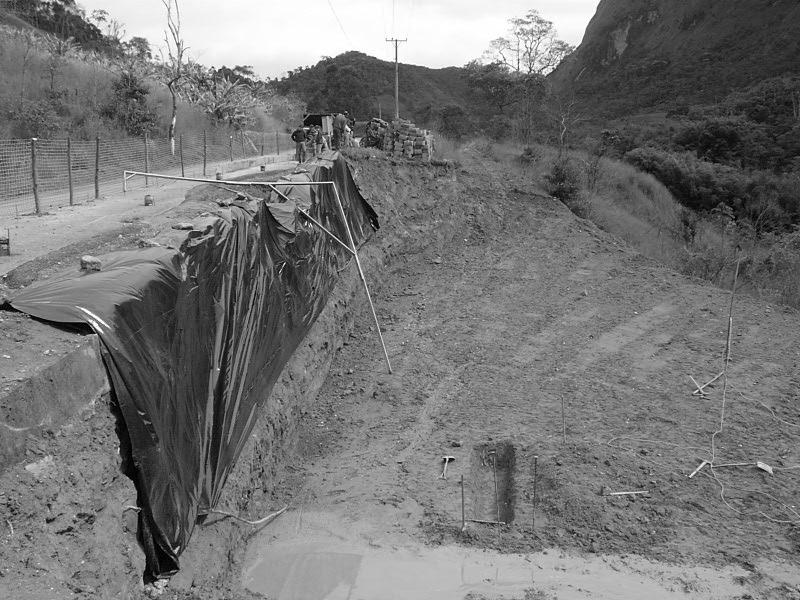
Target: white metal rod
[(225, 181), (313, 220), (361, 274)]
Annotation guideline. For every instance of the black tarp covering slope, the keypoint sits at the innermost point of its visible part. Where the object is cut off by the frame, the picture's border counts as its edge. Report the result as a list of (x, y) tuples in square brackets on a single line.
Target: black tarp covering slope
[(195, 339)]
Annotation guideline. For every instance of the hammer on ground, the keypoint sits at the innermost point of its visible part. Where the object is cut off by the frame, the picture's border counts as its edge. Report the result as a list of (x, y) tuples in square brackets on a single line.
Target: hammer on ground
[(446, 460)]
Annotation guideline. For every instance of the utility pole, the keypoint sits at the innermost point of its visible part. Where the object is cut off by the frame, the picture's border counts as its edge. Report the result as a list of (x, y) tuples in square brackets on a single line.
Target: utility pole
[(395, 41)]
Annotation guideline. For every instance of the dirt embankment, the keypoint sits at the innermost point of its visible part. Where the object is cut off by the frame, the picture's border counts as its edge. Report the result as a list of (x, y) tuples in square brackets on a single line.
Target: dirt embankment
[(516, 331)]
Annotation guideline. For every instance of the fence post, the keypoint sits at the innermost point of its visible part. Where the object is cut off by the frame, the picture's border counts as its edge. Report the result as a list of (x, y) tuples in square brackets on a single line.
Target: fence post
[(230, 147), (146, 160), (180, 147), (262, 143), (205, 151), (241, 139), (277, 144), (35, 177), (69, 172), (97, 168)]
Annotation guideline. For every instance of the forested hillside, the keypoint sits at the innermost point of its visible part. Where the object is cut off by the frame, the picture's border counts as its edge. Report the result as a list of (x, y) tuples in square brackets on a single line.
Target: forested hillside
[(66, 73), (364, 85)]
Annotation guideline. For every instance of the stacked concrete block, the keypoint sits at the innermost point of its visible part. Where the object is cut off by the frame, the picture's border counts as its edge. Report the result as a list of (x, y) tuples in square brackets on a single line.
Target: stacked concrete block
[(409, 141)]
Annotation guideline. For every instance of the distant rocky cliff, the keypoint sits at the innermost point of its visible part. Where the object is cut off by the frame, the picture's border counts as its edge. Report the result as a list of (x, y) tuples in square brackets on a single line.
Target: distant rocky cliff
[(657, 54)]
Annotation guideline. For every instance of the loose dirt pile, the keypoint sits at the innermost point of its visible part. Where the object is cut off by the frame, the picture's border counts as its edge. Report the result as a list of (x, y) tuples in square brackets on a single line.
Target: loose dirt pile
[(499, 308)]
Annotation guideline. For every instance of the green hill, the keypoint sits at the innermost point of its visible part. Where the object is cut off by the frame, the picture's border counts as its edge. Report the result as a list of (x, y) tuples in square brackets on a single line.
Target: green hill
[(364, 85)]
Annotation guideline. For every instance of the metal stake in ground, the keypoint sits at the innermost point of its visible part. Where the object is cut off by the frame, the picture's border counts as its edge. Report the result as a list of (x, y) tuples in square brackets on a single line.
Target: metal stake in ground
[(463, 518), (533, 500), (446, 460), (361, 272), (563, 421), (494, 473)]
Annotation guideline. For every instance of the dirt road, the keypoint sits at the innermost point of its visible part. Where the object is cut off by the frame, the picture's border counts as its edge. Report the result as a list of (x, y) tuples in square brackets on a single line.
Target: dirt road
[(489, 332)]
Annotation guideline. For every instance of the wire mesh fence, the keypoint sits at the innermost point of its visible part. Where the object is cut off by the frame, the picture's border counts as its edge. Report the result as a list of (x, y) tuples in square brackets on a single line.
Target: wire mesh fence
[(41, 175)]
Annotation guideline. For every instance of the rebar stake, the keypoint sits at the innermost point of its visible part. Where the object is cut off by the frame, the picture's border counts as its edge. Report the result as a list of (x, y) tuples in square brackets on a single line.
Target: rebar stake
[(533, 500), (463, 519)]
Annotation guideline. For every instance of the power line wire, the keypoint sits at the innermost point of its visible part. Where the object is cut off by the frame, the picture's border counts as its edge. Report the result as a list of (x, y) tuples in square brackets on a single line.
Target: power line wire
[(347, 37)]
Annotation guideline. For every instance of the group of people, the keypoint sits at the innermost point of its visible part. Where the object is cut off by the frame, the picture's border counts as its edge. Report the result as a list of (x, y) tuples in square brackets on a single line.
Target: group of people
[(314, 138), (308, 136)]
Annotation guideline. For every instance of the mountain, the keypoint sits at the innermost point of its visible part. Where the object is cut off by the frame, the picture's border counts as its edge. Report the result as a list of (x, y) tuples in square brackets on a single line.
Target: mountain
[(364, 85), (639, 55)]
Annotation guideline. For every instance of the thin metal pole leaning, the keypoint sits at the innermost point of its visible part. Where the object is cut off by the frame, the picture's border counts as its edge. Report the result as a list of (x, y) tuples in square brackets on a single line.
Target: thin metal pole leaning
[(271, 184), (361, 273), (313, 220), (130, 174)]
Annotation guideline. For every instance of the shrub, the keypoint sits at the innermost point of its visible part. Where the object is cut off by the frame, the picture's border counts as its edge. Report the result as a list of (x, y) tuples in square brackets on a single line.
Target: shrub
[(128, 106), (564, 182), (34, 118)]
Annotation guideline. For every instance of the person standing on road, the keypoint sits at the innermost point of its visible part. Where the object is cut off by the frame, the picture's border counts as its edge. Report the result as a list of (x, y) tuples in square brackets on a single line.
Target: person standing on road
[(319, 140), (299, 139), (339, 123)]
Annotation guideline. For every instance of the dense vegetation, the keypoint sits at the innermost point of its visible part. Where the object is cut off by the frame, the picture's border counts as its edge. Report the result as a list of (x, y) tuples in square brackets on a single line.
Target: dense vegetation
[(364, 86), (65, 73)]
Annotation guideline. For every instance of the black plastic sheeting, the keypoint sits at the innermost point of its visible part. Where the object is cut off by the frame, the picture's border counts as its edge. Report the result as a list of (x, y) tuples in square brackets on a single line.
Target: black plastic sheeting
[(195, 339)]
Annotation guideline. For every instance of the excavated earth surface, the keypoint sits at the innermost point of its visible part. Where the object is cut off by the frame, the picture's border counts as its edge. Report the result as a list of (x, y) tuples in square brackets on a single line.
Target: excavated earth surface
[(521, 337)]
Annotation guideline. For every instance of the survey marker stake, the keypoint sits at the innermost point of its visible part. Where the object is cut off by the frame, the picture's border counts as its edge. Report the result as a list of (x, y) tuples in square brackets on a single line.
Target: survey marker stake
[(700, 391), (463, 520), (361, 272), (699, 468), (533, 500), (446, 460)]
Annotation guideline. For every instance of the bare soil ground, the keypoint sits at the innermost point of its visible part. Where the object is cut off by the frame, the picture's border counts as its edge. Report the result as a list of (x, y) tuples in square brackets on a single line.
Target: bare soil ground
[(491, 330), (509, 310)]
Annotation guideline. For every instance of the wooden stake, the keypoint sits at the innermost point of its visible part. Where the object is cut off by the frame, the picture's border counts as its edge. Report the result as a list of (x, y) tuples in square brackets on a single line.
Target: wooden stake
[(35, 177), (563, 421), (69, 172), (147, 160), (97, 168), (205, 151)]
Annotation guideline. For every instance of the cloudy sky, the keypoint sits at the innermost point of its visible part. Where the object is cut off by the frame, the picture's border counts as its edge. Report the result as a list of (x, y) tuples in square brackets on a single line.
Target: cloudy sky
[(276, 35)]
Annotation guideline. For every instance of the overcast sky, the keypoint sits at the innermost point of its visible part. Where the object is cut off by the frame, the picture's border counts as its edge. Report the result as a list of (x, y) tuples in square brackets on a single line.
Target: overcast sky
[(276, 35)]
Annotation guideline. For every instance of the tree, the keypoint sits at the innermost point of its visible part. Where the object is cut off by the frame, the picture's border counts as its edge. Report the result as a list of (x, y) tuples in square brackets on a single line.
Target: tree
[(225, 100), (530, 47), (58, 51), (128, 105), (138, 47), (506, 100), (176, 50)]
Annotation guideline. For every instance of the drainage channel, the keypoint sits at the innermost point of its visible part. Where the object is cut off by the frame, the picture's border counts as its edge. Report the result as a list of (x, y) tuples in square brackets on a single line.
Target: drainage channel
[(489, 487)]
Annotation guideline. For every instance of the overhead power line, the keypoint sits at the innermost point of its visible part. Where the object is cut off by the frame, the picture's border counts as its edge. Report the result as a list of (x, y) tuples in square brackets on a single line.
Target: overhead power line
[(335, 16)]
